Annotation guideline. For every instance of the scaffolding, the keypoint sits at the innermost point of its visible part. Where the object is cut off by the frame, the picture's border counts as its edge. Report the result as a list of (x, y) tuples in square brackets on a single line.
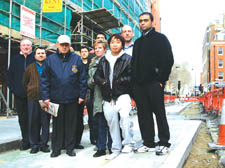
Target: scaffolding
[(80, 19), (92, 16)]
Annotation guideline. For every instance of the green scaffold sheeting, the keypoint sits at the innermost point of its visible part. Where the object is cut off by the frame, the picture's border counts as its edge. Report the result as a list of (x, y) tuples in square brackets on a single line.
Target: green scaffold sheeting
[(52, 23)]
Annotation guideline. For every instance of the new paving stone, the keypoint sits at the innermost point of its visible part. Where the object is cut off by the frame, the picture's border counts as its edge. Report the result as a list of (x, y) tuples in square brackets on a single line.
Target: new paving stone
[(183, 133)]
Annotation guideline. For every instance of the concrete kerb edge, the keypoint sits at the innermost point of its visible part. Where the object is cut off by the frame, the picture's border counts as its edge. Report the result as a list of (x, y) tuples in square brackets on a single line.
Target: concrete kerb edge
[(179, 156), (13, 145), (178, 112), (189, 104), (189, 147)]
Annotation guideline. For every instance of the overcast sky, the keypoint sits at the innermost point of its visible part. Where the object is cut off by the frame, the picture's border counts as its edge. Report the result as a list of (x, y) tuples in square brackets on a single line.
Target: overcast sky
[(184, 23)]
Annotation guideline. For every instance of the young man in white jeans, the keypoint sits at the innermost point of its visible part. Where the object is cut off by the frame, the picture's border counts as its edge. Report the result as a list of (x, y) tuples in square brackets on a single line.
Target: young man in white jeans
[(113, 77)]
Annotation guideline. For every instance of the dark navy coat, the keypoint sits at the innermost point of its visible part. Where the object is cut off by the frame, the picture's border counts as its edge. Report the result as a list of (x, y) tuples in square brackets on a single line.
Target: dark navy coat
[(16, 69), (63, 79)]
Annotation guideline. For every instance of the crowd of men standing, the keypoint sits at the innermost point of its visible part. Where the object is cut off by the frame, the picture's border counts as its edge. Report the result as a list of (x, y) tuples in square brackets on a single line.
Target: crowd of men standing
[(105, 80)]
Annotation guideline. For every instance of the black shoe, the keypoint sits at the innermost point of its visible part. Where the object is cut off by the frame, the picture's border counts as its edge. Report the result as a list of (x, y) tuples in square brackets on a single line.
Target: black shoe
[(110, 151), (70, 153), (24, 147), (45, 149), (55, 154), (78, 146), (93, 142), (99, 153), (34, 150)]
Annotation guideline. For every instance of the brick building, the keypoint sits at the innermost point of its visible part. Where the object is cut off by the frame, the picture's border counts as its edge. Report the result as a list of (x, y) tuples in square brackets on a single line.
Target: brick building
[(213, 58)]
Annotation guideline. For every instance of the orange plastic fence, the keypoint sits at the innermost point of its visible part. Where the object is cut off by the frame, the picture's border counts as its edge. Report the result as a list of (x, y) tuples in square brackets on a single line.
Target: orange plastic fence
[(167, 99), (212, 101), (190, 99)]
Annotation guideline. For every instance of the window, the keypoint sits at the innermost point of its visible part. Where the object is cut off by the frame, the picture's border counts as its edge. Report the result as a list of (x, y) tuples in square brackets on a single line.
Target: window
[(220, 50), (220, 75), (216, 37), (220, 63)]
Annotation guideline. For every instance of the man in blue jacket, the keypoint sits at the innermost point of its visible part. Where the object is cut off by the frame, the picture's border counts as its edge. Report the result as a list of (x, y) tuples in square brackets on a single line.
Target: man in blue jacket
[(63, 81), (16, 69)]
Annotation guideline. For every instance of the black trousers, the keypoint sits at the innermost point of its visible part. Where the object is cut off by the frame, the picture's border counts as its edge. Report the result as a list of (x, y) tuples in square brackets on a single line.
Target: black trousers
[(21, 108), (39, 121), (64, 127), (150, 99), (80, 124)]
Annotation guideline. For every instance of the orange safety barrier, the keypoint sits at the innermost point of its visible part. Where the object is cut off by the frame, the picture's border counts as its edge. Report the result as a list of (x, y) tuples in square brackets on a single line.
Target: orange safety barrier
[(221, 137), (190, 99), (167, 99), (212, 101)]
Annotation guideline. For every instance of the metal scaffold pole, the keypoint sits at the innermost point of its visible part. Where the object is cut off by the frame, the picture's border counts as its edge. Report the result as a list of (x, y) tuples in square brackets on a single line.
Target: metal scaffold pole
[(41, 14), (9, 51), (65, 19), (82, 23)]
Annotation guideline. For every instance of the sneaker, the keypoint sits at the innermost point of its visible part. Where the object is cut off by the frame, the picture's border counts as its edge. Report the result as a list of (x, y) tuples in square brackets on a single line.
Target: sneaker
[(162, 150), (127, 149), (111, 156), (145, 149)]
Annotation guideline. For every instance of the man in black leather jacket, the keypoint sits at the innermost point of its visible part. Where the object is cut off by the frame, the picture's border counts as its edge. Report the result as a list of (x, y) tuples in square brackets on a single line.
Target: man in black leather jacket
[(113, 77)]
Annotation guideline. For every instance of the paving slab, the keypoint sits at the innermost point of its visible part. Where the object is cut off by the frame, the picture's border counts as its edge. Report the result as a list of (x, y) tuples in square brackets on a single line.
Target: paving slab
[(183, 133)]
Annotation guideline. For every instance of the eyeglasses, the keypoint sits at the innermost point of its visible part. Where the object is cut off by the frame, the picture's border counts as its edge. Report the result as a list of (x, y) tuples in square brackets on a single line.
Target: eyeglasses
[(143, 20)]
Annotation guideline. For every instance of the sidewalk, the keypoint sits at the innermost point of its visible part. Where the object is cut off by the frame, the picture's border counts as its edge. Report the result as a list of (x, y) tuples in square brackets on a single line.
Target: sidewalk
[(183, 133)]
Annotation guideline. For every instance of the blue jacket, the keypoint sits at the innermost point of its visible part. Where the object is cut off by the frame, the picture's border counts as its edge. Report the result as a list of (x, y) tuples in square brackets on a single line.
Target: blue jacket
[(63, 80), (16, 69)]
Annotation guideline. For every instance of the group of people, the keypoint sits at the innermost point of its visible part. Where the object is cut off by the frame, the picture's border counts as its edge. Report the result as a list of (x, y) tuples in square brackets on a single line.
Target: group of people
[(104, 80)]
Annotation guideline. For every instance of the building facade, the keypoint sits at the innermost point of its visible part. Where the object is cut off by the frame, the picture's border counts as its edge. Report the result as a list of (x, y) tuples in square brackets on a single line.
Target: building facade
[(80, 19), (213, 57), (154, 8)]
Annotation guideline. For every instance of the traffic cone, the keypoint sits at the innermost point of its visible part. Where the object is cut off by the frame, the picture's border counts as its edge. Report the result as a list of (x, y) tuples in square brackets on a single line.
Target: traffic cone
[(221, 138)]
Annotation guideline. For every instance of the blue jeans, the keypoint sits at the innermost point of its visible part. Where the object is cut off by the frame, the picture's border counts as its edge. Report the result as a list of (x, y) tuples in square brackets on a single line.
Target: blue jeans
[(103, 132)]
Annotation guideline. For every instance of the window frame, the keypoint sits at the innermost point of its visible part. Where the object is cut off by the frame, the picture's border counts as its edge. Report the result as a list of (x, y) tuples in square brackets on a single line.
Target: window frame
[(220, 61), (220, 49), (220, 74)]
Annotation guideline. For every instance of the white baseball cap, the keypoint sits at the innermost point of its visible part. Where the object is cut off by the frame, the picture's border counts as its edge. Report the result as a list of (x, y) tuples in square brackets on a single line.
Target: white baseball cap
[(63, 39)]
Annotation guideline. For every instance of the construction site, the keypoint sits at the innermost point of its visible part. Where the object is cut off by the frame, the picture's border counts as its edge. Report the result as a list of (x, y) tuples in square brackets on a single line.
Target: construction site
[(80, 19)]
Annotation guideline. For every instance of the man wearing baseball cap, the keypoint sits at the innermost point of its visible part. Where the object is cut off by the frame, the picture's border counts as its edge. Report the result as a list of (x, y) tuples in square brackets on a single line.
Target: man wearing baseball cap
[(63, 81)]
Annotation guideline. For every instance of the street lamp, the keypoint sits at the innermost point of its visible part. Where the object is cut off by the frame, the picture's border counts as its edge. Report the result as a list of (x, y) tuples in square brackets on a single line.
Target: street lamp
[(178, 81), (195, 81)]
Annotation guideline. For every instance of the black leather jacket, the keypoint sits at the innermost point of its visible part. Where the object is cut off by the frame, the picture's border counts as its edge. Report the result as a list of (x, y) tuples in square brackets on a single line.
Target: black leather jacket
[(121, 77)]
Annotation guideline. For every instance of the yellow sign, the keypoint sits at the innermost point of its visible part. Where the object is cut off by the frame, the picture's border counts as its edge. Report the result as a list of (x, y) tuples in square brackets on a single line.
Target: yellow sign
[(52, 5)]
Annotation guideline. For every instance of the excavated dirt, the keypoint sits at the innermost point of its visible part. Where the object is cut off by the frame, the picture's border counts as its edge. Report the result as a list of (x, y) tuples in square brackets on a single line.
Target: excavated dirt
[(199, 156)]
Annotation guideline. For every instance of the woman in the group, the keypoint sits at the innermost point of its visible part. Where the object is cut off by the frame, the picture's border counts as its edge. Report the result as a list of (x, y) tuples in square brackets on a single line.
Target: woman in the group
[(103, 136)]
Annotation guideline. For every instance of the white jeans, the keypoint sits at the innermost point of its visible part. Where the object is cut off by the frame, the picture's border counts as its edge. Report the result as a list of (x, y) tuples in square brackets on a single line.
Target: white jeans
[(111, 109)]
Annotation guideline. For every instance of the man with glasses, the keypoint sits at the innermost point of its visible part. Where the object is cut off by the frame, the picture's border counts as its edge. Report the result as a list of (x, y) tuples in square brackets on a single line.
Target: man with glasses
[(152, 61)]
